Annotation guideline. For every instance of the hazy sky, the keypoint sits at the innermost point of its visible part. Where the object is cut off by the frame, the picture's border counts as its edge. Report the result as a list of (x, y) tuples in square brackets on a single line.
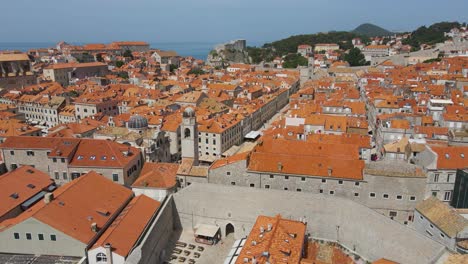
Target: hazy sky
[(210, 20)]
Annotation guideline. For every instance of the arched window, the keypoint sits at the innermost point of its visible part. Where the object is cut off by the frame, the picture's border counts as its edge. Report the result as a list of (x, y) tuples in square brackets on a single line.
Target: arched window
[(101, 257), (187, 133)]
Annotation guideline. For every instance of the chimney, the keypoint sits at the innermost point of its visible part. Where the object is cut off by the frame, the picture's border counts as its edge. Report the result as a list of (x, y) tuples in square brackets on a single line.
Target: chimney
[(262, 229), (48, 197), (108, 248), (330, 170), (94, 227), (269, 227), (280, 166), (254, 261)]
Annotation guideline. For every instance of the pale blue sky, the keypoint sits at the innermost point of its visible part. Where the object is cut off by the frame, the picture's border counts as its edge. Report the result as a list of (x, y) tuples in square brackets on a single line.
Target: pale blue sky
[(210, 20)]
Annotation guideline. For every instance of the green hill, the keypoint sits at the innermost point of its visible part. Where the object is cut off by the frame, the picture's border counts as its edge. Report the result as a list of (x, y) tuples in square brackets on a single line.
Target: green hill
[(371, 30), (430, 35)]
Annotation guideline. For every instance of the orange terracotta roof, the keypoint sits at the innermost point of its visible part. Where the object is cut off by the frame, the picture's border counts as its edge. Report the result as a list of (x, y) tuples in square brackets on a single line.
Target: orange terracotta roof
[(125, 230), (453, 157), (314, 166), (283, 239), (75, 65), (157, 175), (229, 160), (91, 198), (22, 183)]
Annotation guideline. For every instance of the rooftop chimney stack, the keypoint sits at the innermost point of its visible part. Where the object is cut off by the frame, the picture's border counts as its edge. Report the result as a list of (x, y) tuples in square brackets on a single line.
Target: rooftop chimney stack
[(48, 197), (108, 248), (94, 227), (280, 166)]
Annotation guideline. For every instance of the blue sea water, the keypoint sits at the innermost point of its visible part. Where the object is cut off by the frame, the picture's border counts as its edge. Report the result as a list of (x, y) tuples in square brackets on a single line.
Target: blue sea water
[(197, 50)]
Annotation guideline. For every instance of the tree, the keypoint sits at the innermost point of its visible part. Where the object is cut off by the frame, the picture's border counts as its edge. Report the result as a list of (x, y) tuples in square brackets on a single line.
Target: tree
[(99, 57), (128, 54), (355, 57), (294, 60), (173, 67), (119, 64), (123, 74), (196, 71)]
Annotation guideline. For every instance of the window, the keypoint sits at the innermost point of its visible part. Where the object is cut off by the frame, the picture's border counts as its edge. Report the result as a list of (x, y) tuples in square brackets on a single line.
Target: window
[(340, 182), (252, 185), (434, 193), (442, 235), (62, 160), (332, 192), (228, 173), (28, 236), (371, 194), (30, 153), (385, 196), (12, 152), (399, 197), (299, 189), (412, 198), (271, 176), (357, 183), (447, 195), (40, 236), (285, 188), (53, 237), (420, 217), (65, 176), (115, 177), (436, 177), (356, 194), (324, 180), (431, 225), (302, 178), (101, 257), (449, 176), (57, 176), (267, 186), (393, 214), (286, 177), (54, 159), (16, 235), (429, 233), (233, 183), (321, 190)]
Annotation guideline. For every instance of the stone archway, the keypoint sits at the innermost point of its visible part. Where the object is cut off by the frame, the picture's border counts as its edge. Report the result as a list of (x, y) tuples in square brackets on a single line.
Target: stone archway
[(229, 229)]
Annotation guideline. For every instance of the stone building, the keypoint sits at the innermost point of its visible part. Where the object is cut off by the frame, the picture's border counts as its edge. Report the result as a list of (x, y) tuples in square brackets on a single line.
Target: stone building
[(66, 220), (330, 218), (65, 73), (441, 223), (15, 71), (65, 159), (322, 169)]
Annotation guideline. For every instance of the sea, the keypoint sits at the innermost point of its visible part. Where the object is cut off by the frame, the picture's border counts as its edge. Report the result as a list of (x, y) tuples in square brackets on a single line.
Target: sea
[(198, 50)]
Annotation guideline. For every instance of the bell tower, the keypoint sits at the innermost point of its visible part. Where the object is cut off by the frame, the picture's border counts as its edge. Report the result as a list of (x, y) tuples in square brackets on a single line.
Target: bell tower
[(189, 135)]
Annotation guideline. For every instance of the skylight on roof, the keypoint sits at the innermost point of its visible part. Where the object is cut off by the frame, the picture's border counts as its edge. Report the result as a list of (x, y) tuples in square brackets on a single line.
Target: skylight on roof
[(103, 157), (14, 195), (93, 157), (32, 186), (113, 158), (80, 157), (447, 156), (462, 155)]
